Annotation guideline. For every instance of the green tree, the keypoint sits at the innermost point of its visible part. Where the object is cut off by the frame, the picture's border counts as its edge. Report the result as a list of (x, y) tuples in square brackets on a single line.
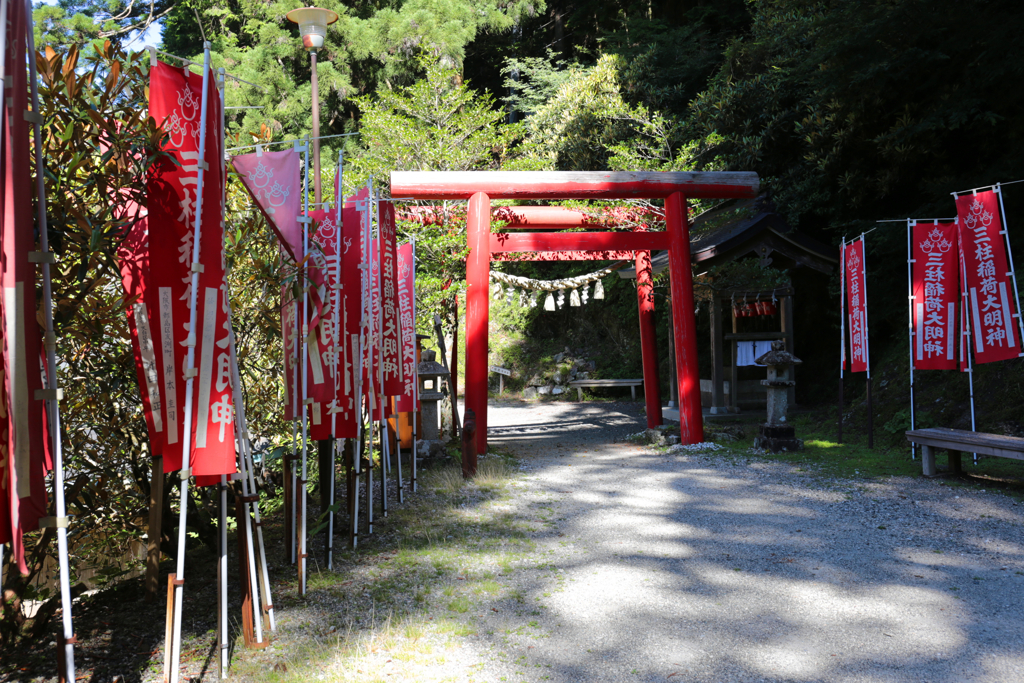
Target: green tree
[(435, 124), (847, 108), (79, 21)]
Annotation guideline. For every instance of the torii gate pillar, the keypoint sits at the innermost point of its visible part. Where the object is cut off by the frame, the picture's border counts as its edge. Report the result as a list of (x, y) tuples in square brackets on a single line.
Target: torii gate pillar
[(648, 337), (691, 420), (478, 313)]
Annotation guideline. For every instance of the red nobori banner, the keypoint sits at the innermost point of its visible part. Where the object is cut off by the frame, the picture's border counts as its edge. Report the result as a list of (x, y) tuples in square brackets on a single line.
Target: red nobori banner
[(857, 312), (406, 304), (325, 293), (274, 179), (350, 317), (936, 286), (391, 340), (24, 449), (988, 285), (372, 359), (176, 103), (133, 254)]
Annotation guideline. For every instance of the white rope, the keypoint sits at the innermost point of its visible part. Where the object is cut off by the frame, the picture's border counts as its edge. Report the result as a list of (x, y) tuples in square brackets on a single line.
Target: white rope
[(550, 285)]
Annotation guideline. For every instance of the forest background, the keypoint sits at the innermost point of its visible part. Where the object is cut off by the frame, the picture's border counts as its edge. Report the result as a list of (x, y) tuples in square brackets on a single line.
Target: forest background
[(850, 113)]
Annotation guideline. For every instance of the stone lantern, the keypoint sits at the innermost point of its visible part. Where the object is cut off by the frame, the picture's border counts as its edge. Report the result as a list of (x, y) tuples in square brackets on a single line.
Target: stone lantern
[(430, 371), (776, 435)]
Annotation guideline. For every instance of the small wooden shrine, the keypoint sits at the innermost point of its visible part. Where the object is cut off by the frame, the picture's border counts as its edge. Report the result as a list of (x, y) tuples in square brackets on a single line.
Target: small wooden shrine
[(745, 323)]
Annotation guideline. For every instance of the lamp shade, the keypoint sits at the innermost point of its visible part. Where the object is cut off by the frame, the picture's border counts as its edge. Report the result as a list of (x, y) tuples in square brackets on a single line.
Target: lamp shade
[(313, 23)]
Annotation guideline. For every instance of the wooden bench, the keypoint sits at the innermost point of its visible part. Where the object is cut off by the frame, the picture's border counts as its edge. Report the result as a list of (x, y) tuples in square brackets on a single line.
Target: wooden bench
[(957, 441), (578, 384)]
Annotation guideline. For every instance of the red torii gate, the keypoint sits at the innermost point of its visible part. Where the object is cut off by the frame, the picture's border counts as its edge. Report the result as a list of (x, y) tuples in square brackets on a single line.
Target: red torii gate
[(479, 187)]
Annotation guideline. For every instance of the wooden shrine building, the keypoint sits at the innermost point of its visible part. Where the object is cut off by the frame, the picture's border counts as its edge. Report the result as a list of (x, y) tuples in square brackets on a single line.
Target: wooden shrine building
[(743, 323)]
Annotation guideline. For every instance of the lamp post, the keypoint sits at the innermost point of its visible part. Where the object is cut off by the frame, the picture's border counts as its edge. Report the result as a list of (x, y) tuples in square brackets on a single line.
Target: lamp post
[(313, 23)]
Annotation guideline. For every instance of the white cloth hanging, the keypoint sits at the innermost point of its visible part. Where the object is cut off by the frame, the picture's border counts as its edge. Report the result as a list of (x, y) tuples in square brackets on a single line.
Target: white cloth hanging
[(761, 348), (745, 353)]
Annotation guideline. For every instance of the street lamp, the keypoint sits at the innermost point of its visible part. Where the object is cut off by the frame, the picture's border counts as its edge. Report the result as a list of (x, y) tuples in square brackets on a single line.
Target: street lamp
[(313, 23)]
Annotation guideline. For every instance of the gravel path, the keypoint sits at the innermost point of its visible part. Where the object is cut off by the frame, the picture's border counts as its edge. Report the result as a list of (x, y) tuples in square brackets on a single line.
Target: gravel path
[(605, 561), (699, 567)]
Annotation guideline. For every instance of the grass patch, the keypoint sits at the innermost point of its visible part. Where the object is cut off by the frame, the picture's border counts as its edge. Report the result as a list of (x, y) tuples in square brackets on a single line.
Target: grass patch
[(460, 605), (824, 455), (397, 604)]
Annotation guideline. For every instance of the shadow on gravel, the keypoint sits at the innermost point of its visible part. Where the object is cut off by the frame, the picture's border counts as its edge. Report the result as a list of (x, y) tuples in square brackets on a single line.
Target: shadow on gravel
[(709, 567)]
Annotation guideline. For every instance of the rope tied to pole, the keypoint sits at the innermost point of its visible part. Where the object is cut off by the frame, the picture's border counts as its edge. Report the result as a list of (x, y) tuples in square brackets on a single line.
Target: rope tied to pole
[(533, 286)]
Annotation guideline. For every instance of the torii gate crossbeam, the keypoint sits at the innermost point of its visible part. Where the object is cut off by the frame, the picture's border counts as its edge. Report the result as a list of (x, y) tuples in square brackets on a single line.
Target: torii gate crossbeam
[(480, 187)]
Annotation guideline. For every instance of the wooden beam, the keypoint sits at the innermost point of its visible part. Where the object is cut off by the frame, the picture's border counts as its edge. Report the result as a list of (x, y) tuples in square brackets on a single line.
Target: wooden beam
[(572, 184), (578, 241), (534, 216), (564, 256)]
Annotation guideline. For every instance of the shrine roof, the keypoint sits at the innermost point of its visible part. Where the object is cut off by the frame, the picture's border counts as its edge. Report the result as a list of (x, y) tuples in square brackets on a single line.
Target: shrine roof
[(744, 228)]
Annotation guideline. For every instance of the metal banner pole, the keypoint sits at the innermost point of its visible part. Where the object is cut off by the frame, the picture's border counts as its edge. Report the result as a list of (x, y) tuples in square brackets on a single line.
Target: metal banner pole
[(1013, 276), (301, 488), (357, 368), (339, 349), (245, 464), (382, 425), (222, 580), (50, 343), (867, 344), (398, 459), (249, 490), (966, 332), (842, 331), (910, 326), (357, 449), (416, 378), (222, 561), (369, 354), (190, 372)]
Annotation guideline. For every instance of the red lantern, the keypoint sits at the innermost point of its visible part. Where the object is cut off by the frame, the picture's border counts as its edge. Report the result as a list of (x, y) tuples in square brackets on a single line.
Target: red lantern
[(770, 308), (760, 307)]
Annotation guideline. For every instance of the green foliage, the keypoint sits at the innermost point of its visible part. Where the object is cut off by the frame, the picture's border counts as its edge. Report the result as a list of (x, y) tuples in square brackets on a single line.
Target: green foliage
[(573, 130), (68, 22), (589, 123), (435, 124), (374, 46), (533, 81), (848, 108)]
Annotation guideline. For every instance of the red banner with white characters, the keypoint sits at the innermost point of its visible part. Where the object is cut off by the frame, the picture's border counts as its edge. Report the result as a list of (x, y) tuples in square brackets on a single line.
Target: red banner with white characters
[(390, 333), (936, 286), (406, 299), (175, 103), (993, 310), (24, 451), (133, 255), (323, 271), (350, 316), (274, 179), (857, 305), (371, 362)]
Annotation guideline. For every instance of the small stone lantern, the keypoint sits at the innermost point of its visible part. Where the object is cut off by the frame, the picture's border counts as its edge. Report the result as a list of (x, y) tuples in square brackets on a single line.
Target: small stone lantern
[(429, 370), (775, 435)]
